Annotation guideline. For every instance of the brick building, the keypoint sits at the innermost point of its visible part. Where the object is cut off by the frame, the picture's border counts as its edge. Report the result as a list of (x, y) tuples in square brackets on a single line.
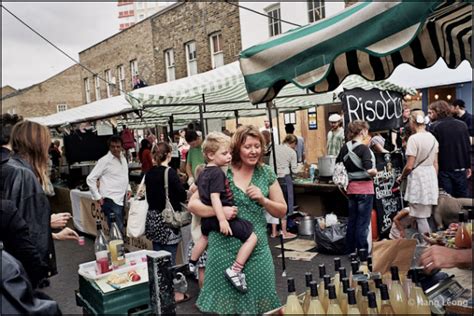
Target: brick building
[(58, 93)]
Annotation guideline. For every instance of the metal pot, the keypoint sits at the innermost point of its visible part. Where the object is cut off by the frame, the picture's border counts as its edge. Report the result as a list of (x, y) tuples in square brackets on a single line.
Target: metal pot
[(326, 166), (305, 226)]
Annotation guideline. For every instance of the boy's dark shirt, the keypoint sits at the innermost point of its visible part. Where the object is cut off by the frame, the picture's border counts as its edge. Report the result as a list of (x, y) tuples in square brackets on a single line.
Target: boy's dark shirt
[(213, 180)]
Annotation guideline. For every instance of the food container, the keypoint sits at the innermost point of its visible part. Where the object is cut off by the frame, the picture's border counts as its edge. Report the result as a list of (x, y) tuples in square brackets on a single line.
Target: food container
[(306, 226), (326, 166)]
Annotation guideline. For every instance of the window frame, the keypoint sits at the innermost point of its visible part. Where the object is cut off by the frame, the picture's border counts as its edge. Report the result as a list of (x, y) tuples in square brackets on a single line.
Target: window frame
[(193, 60), (121, 78), (108, 78), (133, 70), (62, 106), (313, 7), (220, 50), (87, 89), (97, 87), (170, 67), (274, 26)]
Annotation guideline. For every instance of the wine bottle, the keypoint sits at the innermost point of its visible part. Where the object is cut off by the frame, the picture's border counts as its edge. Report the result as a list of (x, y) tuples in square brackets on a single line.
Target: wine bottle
[(337, 277), (385, 307), (372, 303), (352, 308), (116, 245), (362, 300), (315, 306), (369, 263), (327, 282), (397, 295), (462, 239), (308, 276), (418, 303), (343, 297), (322, 272), (293, 305), (342, 275), (377, 282), (364, 267), (355, 273), (333, 307), (103, 260)]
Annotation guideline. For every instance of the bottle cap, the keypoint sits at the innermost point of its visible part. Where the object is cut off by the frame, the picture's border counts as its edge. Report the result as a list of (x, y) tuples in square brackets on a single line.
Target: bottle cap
[(384, 292), (322, 270), (365, 287), (345, 284), (313, 288), (327, 281), (332, 291), (355, 267), (363, 253), (291, 285), (351, 298), (353, 256), (394, 272), (372, 300), (470, 215), (342, 272), (415, 277), (337, 264), (369, 263), (378, 282), (308, 276), (461, 217)]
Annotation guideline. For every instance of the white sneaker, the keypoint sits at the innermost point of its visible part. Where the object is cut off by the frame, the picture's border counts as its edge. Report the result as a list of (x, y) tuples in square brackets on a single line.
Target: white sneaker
[(192, 268), (237, 279)]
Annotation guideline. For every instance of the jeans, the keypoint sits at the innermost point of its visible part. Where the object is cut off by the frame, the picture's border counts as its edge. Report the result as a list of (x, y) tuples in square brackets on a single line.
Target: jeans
[(173, 249), (454, 183), (110, 207), (360, 208)]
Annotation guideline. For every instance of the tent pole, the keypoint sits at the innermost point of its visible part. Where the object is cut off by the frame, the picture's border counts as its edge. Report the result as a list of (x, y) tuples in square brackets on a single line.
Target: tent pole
[(171, 126), (269, 110), (236, 113), (278, 125), (201, 116)]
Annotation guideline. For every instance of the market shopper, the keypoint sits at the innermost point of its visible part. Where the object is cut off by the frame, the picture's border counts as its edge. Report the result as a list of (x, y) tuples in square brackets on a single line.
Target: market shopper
[(459, 112), (359, 162), (267, 150), (286, 165), (111, 171), (441, 257), (421, 171), (144, 155), (290, 130), (454, 146), (335, 135), (255, 188), (194, 156)]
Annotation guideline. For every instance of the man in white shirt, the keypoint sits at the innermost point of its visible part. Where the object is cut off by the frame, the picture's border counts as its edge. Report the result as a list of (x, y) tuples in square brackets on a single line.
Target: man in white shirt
[(112, 173), (290, 129), (276, 139)]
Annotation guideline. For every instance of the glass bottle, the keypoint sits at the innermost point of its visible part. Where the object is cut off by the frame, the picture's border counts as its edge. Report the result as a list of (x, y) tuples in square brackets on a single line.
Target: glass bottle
[(342, 275), (362, 300), (372, 304), (343, 297), (352, 308), (293, 305), (308, 276), (462, 239), (337, 277), (315, 306), (364, 266), (385, 306), (103, 260), (377, 282), (355, 273), (408, 284), (116, 245), (418, 303), (322, 272), (333, 307), (470, 215), (398, 299), (369, 263), (325, 300)]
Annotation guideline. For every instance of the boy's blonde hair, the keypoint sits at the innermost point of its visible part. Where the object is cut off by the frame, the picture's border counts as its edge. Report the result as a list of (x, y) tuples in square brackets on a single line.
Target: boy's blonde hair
[(213, 142)]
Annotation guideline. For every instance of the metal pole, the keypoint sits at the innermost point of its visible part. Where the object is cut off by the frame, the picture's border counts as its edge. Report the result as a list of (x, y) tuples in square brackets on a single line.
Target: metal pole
[(278, 125), (171, 125), (269, 110), (236, 113), (201, 115)]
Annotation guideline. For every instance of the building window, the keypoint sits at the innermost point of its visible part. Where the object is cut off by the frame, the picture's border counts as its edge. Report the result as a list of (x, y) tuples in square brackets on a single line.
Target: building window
[(87, 88), (274, 23), (315, 10), (97, 87), (191, 58), (61, 107), (290, 118), (217, 54), (170, 66), (108, 78), (121, 78), (133, 71)]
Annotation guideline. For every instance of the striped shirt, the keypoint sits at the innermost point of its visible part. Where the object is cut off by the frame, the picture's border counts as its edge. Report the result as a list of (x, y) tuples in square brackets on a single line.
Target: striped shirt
[(335, 142)]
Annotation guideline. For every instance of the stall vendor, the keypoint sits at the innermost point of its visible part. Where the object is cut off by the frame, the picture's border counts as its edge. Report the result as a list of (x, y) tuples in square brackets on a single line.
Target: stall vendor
[(335, 135)]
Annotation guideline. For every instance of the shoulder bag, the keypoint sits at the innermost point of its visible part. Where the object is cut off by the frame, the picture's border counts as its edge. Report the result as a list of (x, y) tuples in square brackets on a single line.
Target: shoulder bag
[(137, 212), (171, 217)]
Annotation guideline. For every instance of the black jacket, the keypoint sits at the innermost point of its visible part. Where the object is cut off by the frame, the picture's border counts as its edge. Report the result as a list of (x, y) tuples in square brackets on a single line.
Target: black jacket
[(19, 184), (17, 241)]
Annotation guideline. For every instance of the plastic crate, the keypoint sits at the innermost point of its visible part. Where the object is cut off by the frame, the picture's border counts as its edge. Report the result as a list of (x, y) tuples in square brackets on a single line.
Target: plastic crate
[(133, 300)]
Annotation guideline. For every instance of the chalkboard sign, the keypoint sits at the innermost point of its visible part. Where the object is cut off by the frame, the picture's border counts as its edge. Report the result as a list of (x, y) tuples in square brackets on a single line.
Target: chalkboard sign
[(381, 109), (387, 202)]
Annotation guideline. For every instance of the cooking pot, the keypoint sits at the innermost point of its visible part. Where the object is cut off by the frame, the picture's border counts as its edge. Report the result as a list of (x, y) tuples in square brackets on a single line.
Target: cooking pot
[(305, 225), (326, 166)]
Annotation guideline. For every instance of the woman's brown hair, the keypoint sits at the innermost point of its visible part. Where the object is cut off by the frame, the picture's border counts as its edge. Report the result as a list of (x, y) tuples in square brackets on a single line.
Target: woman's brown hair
[(355, 127), (441, 108), (31, 141), (239, 138), (290, 139), (161, 152)]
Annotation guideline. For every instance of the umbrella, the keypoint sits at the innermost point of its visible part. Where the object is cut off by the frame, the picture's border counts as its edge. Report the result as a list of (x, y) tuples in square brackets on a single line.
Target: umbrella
[(369, 39)]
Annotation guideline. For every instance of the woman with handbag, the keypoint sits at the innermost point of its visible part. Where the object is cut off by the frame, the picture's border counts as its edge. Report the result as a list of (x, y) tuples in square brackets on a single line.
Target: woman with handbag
[(359, 162), (421, 172), (163, 236)]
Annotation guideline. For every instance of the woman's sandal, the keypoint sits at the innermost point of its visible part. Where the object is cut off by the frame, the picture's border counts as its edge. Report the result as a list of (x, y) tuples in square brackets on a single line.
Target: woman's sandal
[(186, 298)]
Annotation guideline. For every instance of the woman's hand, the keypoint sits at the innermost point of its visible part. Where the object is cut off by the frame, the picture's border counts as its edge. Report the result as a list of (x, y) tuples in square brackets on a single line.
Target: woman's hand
[(436, 257), (66, 234), (230, 212), (59, 220), (225, 228), (256, 194), (399, 179)]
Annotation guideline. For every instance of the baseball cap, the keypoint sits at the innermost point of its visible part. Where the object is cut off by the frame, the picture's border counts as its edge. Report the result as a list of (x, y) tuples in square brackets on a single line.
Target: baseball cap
[(335, 118)]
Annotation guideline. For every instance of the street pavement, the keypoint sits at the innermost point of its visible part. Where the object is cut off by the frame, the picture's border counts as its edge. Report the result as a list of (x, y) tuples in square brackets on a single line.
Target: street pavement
[(69, 255)]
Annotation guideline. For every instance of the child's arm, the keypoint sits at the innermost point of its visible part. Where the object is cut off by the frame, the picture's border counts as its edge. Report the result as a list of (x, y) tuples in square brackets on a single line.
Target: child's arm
[(217, 206)]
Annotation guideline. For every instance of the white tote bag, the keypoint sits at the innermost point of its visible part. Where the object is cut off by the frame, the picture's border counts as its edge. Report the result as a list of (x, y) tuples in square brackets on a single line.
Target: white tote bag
[(137, 212)]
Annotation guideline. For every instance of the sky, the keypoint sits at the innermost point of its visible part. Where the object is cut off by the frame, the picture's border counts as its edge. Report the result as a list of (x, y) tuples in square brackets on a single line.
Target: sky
[(73, 26)]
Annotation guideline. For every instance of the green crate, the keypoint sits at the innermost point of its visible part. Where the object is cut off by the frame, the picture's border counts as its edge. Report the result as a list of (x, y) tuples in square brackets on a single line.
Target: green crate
[(133, 300)]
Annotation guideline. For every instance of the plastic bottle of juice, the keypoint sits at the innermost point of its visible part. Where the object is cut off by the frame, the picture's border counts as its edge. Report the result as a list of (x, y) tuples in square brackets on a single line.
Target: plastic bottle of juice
[(397, 295), (337, 277), (116, 245), (385, 307), (102, 254), (343, 297), (352, 308), (372, 304), (418, 303), (293, 306), (333, 307), (308, 276), (315, 306)]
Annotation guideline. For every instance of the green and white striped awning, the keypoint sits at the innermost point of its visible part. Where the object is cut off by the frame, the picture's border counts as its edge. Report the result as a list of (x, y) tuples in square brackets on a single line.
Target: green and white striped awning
[(369, 39)]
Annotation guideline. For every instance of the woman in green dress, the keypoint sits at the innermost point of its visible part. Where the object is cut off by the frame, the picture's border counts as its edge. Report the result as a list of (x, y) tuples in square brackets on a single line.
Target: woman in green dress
[(256, 189)]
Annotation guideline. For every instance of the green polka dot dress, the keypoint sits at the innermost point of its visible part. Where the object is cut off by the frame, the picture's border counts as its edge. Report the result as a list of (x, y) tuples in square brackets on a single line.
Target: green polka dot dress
[(218, 295)]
